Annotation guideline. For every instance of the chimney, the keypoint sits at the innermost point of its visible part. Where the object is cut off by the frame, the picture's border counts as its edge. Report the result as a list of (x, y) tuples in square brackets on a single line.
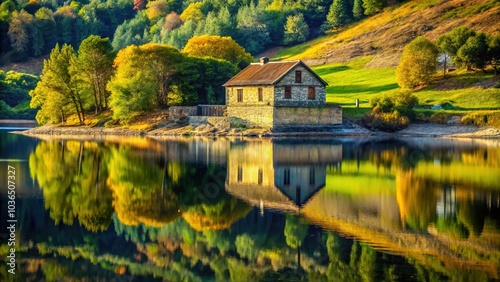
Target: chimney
[(264, 60)]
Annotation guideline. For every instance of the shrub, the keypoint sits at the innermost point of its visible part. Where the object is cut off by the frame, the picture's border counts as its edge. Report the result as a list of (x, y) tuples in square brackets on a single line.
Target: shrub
[(391, 112), (389, 122), (482, 119), (418, 63)]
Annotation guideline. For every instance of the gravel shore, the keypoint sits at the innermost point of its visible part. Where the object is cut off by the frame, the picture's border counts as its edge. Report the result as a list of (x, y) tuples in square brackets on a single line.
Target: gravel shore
[(417, 130)]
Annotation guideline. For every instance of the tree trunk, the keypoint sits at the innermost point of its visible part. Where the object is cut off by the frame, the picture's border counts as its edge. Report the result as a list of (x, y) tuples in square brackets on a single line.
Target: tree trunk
[(444, 66)]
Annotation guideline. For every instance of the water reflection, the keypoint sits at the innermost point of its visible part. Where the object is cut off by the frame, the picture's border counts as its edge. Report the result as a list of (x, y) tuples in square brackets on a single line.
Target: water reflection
[(318, 210)]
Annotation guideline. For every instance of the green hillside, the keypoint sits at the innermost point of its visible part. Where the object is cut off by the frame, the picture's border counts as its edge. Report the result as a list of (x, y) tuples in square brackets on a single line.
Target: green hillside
[(358, 60)]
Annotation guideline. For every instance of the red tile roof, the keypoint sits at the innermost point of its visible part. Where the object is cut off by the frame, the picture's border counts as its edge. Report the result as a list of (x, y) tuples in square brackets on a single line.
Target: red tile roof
[(266, 74)]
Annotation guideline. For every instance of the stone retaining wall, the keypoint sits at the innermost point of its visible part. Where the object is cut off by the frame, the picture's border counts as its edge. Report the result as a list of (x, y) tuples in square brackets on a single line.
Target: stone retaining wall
[(296, 118), (256, 116)]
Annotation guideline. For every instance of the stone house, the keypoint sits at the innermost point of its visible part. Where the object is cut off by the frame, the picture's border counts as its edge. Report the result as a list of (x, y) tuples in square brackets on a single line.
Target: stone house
[(283, 95)]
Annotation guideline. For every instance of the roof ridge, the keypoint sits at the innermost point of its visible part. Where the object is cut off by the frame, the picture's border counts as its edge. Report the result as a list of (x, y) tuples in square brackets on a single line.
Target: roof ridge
[(276, 62)]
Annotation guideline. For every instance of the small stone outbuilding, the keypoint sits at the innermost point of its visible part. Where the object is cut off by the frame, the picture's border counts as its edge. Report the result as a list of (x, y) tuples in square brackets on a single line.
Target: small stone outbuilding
[(285, 95)]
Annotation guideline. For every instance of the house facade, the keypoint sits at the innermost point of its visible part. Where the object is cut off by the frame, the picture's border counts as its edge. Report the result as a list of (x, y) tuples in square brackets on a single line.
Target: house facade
[(281, 95)]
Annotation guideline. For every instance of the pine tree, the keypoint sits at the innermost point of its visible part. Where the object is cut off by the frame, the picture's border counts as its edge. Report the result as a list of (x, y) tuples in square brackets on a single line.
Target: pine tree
[(373, 6), (340, 13), (296, 30), (358, 11)]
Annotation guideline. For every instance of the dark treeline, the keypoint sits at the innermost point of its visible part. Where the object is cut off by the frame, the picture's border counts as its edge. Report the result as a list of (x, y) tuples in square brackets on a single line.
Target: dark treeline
[(32, 28)]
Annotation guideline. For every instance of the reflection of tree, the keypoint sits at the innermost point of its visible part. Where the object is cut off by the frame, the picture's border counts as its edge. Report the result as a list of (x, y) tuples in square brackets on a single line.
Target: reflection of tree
[(141, 192), (218, 216), (472, 214), (72, 176), (416, 200), (295, 231), (246, 247)]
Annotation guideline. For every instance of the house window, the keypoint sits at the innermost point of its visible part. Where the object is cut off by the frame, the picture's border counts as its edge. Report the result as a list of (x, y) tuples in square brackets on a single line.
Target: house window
[(286, 177), (288, 92), (240, 173), (260, 95), (298, 77), (240, 95), (259, 177), (311, 93)]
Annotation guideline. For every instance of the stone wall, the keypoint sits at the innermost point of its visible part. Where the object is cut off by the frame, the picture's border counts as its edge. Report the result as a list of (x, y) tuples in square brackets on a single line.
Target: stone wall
[(303, 118), (299, 90), (258, 116), (250, 96), (178, 112)]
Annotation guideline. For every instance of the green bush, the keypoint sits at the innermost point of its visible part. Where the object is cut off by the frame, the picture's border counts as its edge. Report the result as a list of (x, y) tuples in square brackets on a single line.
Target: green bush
[(391, 112), (483, 119), (388, 122)]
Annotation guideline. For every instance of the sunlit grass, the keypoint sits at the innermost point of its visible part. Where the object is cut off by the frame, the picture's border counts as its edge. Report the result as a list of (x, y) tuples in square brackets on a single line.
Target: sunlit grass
[(316, 48), (351, 81)]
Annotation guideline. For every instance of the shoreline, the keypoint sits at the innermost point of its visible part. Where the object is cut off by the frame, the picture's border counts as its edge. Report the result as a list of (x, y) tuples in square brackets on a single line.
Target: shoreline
[(430, 130)]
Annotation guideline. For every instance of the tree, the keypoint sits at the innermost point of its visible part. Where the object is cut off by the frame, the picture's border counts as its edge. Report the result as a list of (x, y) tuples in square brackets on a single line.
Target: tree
[(418, 63), (451, 42), (494, 52), (139, 4), (143, 78), (199, 77), (373, 6), (46, 25), (224, 48), (134, 31), (20, 32), (296, 30), (172, 21), (357, 10), (93, 68), (192, 12), (253, 32), (56, 93), (157, 9), (340, 13), (474, 53), (65, 18)]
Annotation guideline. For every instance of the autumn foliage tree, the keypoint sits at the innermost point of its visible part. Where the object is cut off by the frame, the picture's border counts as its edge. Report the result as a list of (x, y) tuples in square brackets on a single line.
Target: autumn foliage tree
[(143, 78), (218, 47), (418, 63)]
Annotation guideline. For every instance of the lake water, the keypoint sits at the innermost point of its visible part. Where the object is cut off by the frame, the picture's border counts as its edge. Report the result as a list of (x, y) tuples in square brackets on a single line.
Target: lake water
[(186, 209)]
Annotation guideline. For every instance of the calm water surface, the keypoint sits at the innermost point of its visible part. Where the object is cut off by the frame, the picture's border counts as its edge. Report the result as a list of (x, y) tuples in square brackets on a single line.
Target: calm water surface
[(136, 209)]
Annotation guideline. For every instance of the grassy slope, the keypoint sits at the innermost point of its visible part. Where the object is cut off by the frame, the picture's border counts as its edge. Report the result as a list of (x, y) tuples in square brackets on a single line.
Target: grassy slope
[(385, 34), (461, 93), (364, 55)]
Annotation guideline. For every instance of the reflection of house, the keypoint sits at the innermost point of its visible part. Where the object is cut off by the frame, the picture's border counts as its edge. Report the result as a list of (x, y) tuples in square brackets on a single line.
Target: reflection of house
[(279, 175), (281, 95)]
